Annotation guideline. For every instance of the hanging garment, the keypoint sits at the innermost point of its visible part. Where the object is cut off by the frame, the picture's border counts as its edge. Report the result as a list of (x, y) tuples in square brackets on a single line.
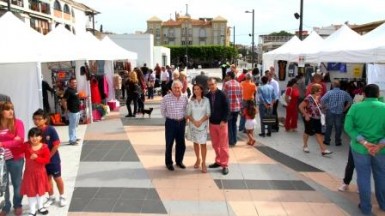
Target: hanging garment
[(95, 93)]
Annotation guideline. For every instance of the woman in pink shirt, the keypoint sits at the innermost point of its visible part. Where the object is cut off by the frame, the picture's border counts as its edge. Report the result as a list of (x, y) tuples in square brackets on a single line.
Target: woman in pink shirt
[(12, 139)]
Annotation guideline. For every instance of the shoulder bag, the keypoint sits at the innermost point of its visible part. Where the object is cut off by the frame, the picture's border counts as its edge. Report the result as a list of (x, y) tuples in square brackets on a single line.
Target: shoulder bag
[(322, 116)]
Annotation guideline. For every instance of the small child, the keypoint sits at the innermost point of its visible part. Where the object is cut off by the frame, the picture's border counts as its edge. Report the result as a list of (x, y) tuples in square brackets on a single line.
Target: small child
[(35, 181), (51, 138), (249, 112)]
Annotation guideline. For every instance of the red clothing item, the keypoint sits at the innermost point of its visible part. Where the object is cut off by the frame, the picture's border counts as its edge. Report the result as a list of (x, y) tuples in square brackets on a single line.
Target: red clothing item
[(292, 108), (8, 140), (35, 179), (95, 93)]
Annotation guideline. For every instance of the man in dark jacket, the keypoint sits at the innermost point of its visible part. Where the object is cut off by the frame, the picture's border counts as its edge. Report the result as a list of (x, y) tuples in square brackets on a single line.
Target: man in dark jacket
[(220, 111)]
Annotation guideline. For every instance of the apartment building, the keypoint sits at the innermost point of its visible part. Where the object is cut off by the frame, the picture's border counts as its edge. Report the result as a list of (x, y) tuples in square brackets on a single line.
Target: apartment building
[(44, 15), (184, 31)]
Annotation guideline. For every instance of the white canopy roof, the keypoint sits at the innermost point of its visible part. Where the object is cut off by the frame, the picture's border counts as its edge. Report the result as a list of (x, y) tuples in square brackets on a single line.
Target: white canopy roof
[(283, 52), (119, 51), (63, 45), (311, 45), (19, 42)]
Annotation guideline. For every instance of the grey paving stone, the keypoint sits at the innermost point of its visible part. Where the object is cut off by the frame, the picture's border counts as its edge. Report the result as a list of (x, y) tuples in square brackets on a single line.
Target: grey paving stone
[(108, 150), (153, 207), (281, 185), (78, 204), (143, 121), (85, 192), (258, 184), (128, 206), (231, 184), (100, 205), (134, 193), (293, 163), (105, 193), (152, 194), (181, 207), (301, 185)]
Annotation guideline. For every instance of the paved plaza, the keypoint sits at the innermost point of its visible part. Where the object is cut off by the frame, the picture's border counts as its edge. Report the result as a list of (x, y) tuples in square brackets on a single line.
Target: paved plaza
[(118, 169)]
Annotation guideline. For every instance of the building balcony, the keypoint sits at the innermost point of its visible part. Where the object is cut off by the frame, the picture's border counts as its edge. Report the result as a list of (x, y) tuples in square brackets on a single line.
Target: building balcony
[(57, 13), (40, 7), (66, 16)]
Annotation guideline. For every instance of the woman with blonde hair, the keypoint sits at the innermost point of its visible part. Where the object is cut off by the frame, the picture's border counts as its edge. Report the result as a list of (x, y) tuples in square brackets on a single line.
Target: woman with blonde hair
[(133, 93), (12, 139), (311, 112), (183, 79)]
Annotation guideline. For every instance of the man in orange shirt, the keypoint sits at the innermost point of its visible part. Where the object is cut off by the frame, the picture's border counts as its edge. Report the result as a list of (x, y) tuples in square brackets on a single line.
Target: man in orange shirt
[(248, 93)]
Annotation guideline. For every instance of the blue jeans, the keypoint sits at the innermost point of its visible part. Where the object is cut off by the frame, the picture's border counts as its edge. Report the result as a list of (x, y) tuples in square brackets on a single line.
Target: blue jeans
[(365, 164), (232, 128), (336, 121), (15, 170), (174, 130), (73, 124)]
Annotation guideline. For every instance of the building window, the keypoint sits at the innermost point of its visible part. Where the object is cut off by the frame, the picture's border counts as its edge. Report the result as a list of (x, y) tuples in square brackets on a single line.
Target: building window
[(57, 5), (183, 42), (39, 25), (190, 42), (158, 32), (66, 9), (202, 33), (73, 13)]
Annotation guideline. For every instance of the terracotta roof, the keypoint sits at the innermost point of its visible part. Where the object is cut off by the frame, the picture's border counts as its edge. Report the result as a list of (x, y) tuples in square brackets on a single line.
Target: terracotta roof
[(196, 22), (171, 22)]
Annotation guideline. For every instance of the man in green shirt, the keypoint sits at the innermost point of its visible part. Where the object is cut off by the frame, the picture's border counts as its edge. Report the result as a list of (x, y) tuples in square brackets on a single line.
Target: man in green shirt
[(365, 124)]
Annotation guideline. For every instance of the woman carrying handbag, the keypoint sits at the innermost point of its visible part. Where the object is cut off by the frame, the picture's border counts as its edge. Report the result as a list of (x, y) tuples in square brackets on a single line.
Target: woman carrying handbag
[(312, 119)]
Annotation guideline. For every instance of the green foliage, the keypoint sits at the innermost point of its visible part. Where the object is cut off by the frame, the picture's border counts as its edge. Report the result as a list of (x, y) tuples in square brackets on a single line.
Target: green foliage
[(202, 55), (281, 33)]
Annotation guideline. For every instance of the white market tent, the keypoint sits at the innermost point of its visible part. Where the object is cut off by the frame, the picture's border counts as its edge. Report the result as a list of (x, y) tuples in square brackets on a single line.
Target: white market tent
[(21, 50), (118, 50), (282, 52), (311, 45), (344, 45)]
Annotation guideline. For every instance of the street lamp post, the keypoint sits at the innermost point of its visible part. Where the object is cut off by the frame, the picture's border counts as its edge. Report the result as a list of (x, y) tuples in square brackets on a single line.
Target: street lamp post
[(9, 5), (300, 17), (252, 39)]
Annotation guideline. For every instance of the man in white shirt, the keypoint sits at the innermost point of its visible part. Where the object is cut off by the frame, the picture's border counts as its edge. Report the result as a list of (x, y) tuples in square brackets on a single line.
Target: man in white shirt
[(274, 83)]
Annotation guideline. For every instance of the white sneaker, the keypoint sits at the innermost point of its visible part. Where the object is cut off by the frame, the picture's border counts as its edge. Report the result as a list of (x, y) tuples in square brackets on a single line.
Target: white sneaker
[(343, 187), (306, 150), (49, 202), (62, 201)]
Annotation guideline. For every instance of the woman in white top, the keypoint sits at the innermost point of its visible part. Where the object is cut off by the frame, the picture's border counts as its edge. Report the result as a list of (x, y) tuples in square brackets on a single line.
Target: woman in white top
[(198, 113)]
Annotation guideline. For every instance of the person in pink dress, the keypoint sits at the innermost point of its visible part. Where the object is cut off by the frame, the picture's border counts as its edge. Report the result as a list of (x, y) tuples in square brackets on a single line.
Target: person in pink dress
[(35, 182)]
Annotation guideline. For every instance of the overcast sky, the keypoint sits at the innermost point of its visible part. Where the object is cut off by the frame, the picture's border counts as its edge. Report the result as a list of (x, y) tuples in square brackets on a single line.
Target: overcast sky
[(128, 16)]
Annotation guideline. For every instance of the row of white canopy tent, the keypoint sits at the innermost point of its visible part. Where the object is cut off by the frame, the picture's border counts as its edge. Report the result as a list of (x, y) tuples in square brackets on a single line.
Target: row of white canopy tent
[(344, 45), (23, 50)]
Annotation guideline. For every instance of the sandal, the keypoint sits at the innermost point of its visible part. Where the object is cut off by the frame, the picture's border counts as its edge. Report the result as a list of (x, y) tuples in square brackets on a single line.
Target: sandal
[(204, 168), (43, 211), (196, 165)]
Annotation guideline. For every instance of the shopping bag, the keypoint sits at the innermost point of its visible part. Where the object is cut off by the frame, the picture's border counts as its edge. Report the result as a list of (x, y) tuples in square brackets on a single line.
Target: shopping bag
[(269, 119)]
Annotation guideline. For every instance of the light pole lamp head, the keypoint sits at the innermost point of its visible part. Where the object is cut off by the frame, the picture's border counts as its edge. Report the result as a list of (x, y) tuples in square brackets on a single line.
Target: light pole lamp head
[(297, 15), (248, 11)]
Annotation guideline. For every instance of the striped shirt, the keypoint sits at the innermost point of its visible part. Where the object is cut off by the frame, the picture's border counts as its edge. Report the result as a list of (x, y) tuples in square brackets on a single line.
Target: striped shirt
[(233, 90), (173, 107)]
